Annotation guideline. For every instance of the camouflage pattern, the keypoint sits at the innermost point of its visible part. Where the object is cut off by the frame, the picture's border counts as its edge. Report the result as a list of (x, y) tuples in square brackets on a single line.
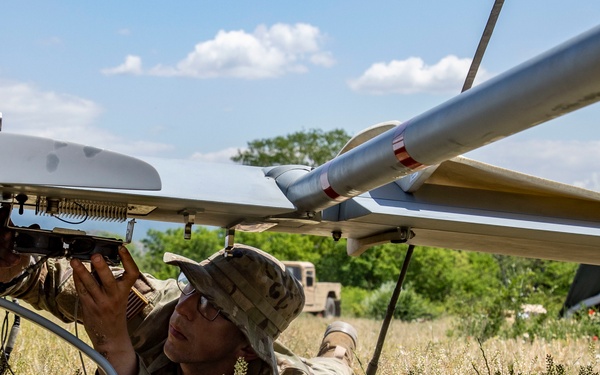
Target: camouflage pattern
[(289, 363), (51, 288)]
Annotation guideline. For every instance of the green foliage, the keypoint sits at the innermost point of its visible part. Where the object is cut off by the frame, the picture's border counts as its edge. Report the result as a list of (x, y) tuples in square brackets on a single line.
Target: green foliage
[(584, 323), (450, 276), (522, 281), (510, 325), (480, 319), (411, 306), (283, 246), (367, 271), (352, 301), (204, 242), (312, 147)]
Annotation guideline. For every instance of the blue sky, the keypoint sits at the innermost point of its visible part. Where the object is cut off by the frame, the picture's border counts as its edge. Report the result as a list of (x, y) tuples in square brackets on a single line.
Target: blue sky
[(199, 80)]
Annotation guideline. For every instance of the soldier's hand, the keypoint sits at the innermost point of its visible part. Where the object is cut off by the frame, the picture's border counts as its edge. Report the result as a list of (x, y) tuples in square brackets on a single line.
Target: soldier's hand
[(104, 303)]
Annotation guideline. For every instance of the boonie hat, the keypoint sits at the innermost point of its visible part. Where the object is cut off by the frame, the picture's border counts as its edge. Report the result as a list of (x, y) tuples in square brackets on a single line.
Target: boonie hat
[(253, 290)]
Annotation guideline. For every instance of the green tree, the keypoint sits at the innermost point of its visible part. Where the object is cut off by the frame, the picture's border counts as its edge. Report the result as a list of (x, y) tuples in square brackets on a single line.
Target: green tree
[(411, 306), (312, 147), (204, 242), (443, 274), (367, 271), (283, 246), (539, 281)]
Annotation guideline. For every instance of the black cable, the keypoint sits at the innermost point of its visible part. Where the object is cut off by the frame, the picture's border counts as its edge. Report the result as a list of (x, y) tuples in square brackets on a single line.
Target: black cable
[(3, 335), (8, 342), (77, 333), (12, 336), (87, 215)]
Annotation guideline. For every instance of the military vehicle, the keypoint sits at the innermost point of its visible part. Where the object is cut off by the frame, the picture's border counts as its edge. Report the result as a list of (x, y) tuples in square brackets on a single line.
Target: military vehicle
[(322, 298)]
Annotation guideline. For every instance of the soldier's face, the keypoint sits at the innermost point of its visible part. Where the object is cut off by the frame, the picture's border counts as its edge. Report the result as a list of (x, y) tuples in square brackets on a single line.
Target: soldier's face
[(194, 340)]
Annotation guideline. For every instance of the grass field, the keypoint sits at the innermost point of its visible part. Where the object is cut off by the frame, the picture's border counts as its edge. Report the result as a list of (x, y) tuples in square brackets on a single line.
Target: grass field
[(411, 348), (424, 348)]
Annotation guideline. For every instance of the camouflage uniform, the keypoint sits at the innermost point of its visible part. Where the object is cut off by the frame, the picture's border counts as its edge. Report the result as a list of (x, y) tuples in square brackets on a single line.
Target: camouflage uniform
[(151, 304)]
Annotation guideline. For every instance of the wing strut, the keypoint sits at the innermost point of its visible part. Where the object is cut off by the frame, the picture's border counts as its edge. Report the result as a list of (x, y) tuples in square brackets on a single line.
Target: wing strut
[(483, 42), (372, 368)]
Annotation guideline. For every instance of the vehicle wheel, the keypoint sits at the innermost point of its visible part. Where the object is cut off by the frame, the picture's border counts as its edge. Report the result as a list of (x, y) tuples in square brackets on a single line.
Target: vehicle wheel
[(330, 310)]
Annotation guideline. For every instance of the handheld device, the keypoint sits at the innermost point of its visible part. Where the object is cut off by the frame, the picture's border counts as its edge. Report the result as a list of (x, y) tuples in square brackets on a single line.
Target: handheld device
[(61, 242)]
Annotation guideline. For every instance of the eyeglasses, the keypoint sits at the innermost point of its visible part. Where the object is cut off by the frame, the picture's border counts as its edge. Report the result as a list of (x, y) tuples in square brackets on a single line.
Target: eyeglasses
[(205, 308)]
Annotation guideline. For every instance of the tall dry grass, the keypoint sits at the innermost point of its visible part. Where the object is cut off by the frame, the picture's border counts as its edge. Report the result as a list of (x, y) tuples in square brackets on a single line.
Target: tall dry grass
[(425, 348), (37, 351), (411, 348)]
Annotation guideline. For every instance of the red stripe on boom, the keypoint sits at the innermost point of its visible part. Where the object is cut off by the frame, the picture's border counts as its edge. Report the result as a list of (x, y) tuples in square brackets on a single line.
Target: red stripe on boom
[(325, 185), (400, 150)]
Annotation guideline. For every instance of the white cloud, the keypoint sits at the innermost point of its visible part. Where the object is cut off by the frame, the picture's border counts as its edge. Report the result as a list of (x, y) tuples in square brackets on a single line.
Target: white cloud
[(414, 76), (297, 39), (323, 59), (139, 147), (265, 53), (132, 65), (30, 110), (592, 181), (222, 156)]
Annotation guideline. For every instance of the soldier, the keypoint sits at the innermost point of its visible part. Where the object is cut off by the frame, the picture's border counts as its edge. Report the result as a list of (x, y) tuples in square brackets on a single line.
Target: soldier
[(222, 314)]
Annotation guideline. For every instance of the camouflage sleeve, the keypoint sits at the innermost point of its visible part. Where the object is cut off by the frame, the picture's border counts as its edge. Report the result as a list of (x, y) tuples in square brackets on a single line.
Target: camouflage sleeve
[(291, 364), (41, 288), (51, 288)]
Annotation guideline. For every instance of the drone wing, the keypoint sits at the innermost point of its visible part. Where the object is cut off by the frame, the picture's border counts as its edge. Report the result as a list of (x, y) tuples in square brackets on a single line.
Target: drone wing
[(399, 182)]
